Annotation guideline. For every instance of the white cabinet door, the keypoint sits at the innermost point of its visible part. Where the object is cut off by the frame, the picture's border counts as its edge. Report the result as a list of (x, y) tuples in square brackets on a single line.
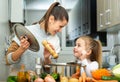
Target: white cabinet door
[(115, 12), (100, 15), (107, 12), (17, 11), (108, 15)]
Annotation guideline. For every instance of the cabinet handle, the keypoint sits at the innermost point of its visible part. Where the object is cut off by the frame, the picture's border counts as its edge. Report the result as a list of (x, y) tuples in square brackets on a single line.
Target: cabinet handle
[(118, 8), (107, 17), (101, 15)]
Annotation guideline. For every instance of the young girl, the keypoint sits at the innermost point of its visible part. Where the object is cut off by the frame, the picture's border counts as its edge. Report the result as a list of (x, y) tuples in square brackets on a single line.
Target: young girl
[(88, 52)]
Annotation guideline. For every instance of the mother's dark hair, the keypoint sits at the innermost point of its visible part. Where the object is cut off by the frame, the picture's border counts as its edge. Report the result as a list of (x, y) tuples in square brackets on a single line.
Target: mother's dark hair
[(57, 11)]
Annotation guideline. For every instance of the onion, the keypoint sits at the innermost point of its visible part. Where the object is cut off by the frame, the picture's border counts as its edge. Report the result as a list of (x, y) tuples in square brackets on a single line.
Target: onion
[(39, 80), (49, 78)]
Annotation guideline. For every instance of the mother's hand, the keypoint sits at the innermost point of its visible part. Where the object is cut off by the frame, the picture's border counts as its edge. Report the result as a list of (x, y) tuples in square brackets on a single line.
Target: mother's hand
[(47, 54), (24, 44)]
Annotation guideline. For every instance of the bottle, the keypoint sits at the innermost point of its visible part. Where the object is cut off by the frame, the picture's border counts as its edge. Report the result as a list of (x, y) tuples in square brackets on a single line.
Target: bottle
[(47, 46), (112, 61), (21, 74), (38, 66)]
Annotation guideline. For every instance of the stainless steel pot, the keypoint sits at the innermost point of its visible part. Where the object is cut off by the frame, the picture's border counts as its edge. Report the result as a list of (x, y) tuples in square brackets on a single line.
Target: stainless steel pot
[(64, 69)]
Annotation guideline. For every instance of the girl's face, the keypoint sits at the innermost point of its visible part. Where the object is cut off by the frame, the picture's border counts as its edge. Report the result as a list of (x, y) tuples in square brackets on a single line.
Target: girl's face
[(55, 26), (79, 49)]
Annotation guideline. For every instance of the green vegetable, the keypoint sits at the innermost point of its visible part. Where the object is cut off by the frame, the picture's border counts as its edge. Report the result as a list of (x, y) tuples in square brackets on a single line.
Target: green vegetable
[(56, 76), (116, 70), (43, 75), (110, 78), (33, 77), (12, 79)]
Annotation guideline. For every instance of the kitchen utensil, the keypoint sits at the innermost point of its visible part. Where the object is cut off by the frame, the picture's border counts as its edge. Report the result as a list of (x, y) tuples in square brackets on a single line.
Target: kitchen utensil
[(20, 30), (65, 69)]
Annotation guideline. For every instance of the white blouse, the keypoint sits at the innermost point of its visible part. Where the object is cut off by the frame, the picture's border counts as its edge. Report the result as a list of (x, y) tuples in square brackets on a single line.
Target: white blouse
[(90, 66), (28, 57)]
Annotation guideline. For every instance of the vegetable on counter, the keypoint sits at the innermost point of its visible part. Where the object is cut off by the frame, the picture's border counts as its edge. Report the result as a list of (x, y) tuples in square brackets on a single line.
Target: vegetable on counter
[(63, 79), (12, 79), (38, 80), (110, 78), (97, 74), (49, 78), (116, 70), (56, 76), (43, 75), (107, 81)]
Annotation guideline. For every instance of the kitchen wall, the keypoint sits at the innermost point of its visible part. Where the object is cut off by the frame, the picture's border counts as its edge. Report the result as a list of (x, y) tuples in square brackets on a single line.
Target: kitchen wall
[(32, 16), (4, 32)]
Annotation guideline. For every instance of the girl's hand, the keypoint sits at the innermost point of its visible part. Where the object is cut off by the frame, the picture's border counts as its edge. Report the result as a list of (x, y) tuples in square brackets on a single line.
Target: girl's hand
[(24, 44), (83, 55)]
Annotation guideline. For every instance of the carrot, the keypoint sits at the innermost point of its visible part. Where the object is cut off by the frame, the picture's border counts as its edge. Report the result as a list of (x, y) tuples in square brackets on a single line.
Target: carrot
[(75, 76), (100, 72), (93, 80), (80, 79), (84, 76), (78, 69), (88, 79), (107, 81)]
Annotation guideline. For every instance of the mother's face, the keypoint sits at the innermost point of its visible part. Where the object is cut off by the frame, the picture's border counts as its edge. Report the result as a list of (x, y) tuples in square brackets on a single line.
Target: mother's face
[(55, 26)]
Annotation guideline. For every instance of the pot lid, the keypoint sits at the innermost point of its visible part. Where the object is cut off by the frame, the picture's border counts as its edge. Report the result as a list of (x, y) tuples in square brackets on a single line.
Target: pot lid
[(20, 30)]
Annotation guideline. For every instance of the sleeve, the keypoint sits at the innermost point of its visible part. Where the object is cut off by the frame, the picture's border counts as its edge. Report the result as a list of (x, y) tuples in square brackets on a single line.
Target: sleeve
[(13, 47), (92, 65), (89, 67), (9, 59)]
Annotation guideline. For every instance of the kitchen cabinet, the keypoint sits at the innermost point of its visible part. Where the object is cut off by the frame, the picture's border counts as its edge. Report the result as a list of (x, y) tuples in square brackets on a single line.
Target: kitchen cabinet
[(85, 16), (100, 15), (16, 11), (108, 15), (79, 24), (82, 24), (115, 12)]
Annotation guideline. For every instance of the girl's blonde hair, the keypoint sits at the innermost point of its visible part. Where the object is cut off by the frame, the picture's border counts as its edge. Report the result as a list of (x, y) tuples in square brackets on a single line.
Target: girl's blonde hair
[(95, 46)]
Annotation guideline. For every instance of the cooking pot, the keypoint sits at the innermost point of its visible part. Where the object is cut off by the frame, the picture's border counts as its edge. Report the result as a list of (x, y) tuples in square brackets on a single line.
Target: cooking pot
[(64, 69)]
